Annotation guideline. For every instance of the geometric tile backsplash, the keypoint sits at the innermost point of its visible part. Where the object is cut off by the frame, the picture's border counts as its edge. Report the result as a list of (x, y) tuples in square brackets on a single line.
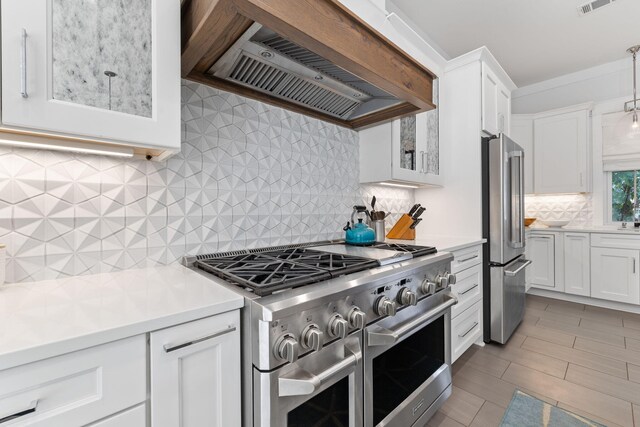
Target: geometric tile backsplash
[(249, 175), (577, 208)]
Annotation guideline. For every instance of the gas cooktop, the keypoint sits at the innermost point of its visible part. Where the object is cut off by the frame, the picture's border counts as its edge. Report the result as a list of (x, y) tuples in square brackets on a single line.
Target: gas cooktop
[(268, 270)]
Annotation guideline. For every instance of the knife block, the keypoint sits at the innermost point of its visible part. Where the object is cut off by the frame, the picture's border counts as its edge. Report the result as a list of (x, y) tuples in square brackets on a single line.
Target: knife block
[(401, 229)]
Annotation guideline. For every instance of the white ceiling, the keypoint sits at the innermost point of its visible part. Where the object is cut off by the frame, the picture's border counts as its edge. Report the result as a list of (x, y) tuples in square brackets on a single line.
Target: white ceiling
[(534, 40)]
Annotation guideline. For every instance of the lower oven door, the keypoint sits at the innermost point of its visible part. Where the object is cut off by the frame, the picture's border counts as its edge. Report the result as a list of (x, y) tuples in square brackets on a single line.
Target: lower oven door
[(407, 364), (320, 389)]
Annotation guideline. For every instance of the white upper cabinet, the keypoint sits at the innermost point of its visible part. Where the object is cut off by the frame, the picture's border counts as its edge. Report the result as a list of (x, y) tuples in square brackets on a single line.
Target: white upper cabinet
[(522, 133), (496, 103), (561, 152), (104, 71), (405, 151)]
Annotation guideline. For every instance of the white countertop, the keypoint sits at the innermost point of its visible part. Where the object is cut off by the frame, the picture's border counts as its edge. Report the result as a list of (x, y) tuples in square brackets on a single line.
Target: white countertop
[(48, 318), (443, 243), (588, 229)]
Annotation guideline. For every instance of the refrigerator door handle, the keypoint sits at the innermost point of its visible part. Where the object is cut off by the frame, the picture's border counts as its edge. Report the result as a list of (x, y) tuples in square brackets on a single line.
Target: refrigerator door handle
[(524, 264), (516, 201)]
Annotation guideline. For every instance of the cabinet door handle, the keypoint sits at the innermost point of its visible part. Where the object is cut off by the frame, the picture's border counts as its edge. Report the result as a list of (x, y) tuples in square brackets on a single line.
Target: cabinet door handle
[(23, 65), (469, 330), (169, 348), (422, 162), (460, 261), (469, 290), (30, 410), (634, 266)]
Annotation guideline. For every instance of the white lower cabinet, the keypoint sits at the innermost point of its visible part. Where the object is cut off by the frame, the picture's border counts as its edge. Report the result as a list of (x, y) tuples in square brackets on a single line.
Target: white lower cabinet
[(541, 250), (466, 329), (614, 274), (466, 315), (195, 373), (77, 388), (134, 417), (577, 274)]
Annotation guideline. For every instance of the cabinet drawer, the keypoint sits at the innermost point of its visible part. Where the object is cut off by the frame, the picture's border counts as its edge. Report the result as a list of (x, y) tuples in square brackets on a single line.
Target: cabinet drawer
[(465, 330), (616, 241), (76, 388), (134, 417), (468, 289), (465, 258)]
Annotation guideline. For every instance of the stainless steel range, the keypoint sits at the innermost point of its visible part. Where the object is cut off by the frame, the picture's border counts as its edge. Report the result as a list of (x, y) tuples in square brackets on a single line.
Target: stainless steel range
[(336, 335)]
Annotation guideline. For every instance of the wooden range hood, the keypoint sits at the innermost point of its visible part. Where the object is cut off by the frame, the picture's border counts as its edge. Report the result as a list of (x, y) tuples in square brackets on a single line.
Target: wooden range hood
[(324, 29)]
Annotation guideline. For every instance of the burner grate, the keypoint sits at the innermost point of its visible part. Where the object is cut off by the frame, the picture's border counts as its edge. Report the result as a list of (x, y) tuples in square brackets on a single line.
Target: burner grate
[(265, 272), (416, 251)]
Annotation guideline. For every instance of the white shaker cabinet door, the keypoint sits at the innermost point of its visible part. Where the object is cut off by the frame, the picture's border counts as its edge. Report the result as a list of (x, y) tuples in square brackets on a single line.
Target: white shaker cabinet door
[(541, 251), (107, 70), (577, 272), (561, 153), (614, 274), (195, 373)]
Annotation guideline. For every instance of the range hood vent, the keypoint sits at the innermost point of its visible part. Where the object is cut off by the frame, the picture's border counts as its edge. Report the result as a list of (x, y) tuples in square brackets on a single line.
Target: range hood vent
[(317, 58), (268, 63), (261, 75)]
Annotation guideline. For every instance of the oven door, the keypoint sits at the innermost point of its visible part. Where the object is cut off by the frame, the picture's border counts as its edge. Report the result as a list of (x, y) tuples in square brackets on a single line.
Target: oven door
[(407, 364), (321, 389)]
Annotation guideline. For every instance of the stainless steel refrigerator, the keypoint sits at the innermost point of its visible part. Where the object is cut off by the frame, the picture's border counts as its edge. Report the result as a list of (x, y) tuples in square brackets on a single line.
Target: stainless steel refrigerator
[(503, 224)]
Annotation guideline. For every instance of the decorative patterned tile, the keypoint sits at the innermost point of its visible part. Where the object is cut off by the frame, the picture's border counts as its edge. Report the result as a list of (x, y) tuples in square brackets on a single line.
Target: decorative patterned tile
[(577, 208), (248, 175)]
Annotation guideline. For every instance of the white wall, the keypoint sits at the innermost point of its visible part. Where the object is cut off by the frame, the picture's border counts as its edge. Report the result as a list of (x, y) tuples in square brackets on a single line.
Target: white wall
[(456, 209), (597, 84)]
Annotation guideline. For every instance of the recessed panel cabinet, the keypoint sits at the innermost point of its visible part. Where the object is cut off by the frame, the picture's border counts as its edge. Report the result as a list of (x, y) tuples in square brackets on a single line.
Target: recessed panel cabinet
[(561, 152), (614, 274), (577, 274), (195, 373), (106, 71), (541, 250), (496, 103)]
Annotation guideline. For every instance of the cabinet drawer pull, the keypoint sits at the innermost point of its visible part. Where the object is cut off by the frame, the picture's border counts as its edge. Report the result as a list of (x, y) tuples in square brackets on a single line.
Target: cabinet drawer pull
[(30, 410), (23, 65), (460, 261), (469, 290), (170, 348), (469, 330)]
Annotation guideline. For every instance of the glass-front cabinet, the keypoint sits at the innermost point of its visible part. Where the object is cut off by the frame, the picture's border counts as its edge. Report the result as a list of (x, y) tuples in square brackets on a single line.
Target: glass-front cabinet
[(413, 142), (97, 69)]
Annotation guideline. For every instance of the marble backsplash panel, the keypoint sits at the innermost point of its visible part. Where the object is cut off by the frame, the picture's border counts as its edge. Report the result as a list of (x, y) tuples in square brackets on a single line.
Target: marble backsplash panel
[(577, 208), (248, 175)]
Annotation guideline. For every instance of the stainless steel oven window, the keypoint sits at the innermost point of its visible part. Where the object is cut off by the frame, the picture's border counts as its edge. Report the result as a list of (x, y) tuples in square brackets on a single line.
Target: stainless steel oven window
[(407, 364), (402, 369), (327, 409)]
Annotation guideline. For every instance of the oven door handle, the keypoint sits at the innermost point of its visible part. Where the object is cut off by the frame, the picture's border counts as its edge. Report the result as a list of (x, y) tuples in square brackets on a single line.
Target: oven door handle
[(381, 336), (300, 382)]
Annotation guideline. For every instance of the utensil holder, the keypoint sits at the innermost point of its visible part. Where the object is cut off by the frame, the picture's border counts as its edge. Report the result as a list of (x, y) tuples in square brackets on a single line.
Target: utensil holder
[(379, 228), (401, 230)]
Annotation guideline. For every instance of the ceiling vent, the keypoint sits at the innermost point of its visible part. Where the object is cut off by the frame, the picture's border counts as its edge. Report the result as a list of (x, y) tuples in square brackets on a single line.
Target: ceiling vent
[(592, 6)]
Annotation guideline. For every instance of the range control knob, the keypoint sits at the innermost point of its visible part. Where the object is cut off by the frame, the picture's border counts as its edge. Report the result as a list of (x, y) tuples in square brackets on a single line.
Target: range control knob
[(385, 307), (407, 297), (428, 287), (286, 348), (338, 327), (357, 318), (312, 338), (451, 278), (442, 281)]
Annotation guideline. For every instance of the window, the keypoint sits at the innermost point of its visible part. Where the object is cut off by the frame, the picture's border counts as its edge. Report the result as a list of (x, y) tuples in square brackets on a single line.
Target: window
[(624, 195)]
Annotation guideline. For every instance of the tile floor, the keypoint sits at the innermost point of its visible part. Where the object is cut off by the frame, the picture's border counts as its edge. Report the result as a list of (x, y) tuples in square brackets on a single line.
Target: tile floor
[(581, 358)]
